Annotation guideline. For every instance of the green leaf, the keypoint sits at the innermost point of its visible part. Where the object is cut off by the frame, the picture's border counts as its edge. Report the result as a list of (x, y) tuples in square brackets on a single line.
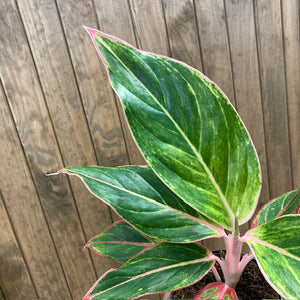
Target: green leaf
[(186, 129), (162, 268), (140, 198), (119, 241), (283, 205), (277, 250)]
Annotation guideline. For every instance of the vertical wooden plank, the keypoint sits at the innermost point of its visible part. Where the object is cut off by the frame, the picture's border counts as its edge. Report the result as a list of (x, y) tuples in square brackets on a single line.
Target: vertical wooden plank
[(150, 27), (214, 44), (291, 35), (182, 31), (38, 139), (98, 99), (14, 276), (241, 29), (2, 297), (53, 64), (24, 208), (115, 19), (270, 50)]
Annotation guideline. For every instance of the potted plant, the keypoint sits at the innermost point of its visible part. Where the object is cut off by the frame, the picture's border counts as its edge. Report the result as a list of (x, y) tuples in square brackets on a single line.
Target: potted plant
[(203, 181)]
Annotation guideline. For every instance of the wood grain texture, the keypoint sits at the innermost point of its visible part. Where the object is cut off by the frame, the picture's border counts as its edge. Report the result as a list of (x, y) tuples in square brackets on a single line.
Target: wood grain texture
[(214, 44), (291, 31), (2, 297), (57, 109), (56, 74), (119, 11), (122, 27), (182, 31), (241, 30), (41, 150), (150, 27), (98, 99), (14, 276), (270, 50), (26, 214)]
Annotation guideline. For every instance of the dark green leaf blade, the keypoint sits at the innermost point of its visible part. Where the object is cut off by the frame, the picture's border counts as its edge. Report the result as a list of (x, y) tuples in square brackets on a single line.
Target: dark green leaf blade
[(140, 198), (283, 205), (162, 268), (277, 250), (119, 241), (187, 130)]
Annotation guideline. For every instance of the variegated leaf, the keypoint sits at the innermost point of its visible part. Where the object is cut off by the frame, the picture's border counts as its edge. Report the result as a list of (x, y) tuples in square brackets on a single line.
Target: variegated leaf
[(283, 205), (186, 129), (277, 250), (159, 269), (119, 241), (140, 198)]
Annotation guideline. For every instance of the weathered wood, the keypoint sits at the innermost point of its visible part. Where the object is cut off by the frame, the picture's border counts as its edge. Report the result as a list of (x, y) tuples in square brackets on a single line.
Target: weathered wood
[(2, 297), (214, 44), (150, 31), (98, 99), (270, 50), (34, 126), (241, 30), (121, 27), (291, 33), (56, 74), (182, 31), (26, 214), (14, 276), (119, 12), (60, 110)]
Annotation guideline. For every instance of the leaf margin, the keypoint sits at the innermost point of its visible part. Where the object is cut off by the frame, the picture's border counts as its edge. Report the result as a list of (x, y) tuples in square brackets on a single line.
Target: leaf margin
[(219, 231), (209, 257), (268, 205), (248, 237), (90, 244), (92, 32)]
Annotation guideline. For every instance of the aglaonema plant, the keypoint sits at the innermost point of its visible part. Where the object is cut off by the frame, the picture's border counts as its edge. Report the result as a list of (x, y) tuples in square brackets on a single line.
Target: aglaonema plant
[(202, 181)]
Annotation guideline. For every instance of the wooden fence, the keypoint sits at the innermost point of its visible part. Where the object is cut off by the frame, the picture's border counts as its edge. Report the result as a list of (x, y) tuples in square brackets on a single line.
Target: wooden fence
[(56, 109)]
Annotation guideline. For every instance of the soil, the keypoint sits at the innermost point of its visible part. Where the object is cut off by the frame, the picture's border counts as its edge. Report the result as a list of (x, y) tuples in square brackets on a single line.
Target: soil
[(252, 285)]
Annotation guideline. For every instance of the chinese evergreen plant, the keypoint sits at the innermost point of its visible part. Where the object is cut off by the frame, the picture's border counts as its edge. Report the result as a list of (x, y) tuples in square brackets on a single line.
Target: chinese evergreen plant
[(203, 181)]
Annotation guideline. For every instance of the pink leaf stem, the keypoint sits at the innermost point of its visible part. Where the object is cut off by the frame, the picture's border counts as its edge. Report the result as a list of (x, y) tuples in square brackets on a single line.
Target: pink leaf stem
[(231, 266), (245, 260), (216, 274)]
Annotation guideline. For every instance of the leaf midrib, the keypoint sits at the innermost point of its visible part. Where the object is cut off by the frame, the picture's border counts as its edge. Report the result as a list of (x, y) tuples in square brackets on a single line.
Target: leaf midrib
[(271, 246), (204, 223), (199, 157), (181, 264)]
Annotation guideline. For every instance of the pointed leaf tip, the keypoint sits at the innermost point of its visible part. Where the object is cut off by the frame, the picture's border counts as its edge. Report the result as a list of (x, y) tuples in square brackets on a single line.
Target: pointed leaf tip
[(190, 147), (139, 276), (143, 192), (119, 241), (63, 171), (91, 31)]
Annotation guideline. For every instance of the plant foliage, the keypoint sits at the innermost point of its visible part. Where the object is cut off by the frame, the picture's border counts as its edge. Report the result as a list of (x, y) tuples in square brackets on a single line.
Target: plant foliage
[(202, 180)]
